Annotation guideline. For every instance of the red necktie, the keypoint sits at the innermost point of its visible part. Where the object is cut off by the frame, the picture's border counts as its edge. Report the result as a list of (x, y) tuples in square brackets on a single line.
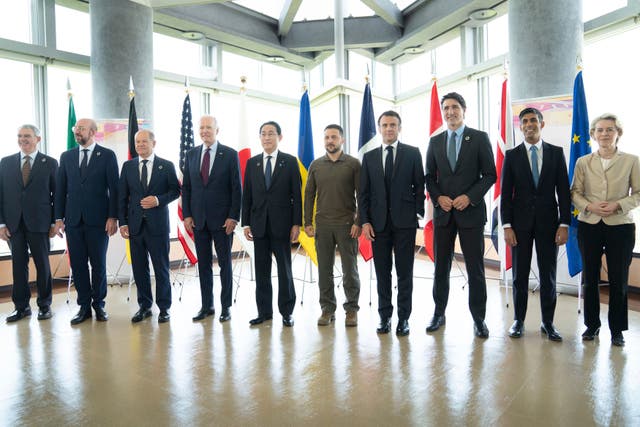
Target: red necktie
[(204, 169)]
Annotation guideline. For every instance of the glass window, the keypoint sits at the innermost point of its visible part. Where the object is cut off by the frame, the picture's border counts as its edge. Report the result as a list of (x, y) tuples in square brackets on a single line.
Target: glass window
[(329, 71), (592, 9), (235, 66), (415, 72), (415, 122), (498, 36), (58, 104), (284, 81), (15, 20), (16, 86), (178, 56), (383, 79), (73, 30), (359, 67), (316, 80), (449, 58)]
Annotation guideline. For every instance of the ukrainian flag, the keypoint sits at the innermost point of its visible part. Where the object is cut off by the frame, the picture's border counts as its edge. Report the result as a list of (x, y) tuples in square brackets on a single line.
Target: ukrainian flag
[(305, 157)]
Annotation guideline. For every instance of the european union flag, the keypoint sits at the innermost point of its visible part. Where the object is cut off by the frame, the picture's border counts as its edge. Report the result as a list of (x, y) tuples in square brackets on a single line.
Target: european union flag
[(580, 146)]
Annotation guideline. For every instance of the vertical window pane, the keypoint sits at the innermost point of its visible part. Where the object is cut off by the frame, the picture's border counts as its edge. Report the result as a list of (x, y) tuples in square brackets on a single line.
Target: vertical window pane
[(449, 58), (235, 66), (73, 30), (498, 36), (58, 104), (415, 72), (16, 86), (15, 20), (179, 56), (284, 81), (592, 9)]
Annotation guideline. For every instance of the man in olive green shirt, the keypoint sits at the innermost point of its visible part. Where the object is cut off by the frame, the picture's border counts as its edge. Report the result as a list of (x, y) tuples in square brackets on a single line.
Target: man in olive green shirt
[(332, 184)]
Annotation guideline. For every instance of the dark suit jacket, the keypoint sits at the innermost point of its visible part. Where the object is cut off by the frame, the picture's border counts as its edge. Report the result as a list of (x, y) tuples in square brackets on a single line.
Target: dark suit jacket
[(474, 174), (33, 202), (163, 185), (280, 205), (407, 189), (525, 206), (92, 199), (220, 198)]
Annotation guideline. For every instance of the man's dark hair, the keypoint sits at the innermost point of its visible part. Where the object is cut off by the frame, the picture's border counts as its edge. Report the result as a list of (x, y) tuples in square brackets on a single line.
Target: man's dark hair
[(456, 97), (390, 113), (530, 110), (271, 123), (336, 127)]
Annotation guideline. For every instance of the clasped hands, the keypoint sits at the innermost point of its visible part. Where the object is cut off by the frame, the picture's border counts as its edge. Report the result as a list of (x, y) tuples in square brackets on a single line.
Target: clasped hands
[(460, 203)]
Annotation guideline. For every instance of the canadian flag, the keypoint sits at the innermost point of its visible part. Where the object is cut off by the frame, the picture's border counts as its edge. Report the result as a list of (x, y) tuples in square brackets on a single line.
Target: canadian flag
[(435, 127)]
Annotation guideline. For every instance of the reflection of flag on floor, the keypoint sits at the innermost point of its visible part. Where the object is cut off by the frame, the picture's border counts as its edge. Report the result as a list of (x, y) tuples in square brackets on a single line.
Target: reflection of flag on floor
[(497, 233), (435, 127), (580, 146), (305, 157), (186, 143), (366, 142)]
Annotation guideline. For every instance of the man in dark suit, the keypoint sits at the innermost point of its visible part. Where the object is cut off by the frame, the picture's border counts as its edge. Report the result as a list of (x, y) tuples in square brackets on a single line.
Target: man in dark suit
[(147, 185), (271, 217), (211, 197), (86, 209), (535, 206), (27, 190), (459, 172), (390, 201)]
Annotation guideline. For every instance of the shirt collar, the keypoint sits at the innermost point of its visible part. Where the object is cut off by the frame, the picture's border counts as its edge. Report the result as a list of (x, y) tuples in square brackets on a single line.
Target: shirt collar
[(394, 145), (458, 132), (32, 155), (214, 147), (150, 158), (537, 144), (273, 155), (88, 147)]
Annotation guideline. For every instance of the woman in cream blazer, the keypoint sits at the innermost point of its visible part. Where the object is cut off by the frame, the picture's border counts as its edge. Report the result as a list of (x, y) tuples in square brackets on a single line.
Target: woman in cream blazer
[(605, 188)]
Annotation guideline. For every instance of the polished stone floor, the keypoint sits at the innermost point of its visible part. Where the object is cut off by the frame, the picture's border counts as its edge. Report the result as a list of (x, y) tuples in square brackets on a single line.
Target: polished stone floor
[(207, 373)]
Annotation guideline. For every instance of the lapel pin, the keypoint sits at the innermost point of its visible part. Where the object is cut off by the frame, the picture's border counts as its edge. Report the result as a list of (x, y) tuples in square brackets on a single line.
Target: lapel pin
[(467, 138), (160, 167), (258, 164), (43, 160), (98, 153)]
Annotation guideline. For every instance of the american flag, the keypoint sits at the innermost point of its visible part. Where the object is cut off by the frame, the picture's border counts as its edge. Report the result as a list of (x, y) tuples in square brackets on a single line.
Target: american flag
[(186, 143)]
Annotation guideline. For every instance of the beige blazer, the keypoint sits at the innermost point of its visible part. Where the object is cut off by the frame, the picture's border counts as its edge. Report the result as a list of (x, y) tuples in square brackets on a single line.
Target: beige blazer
[(619, 182)]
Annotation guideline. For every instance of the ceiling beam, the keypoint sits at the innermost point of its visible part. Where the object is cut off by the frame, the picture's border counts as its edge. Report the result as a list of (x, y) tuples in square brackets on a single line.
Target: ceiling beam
[(386, 10), (289, 10)]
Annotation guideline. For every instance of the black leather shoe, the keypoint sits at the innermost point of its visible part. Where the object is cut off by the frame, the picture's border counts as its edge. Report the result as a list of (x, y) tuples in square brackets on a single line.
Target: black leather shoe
[(436, 322), (204, 312), (480, 329), (550, 331), (101, 315), (225, 315), (403, 327), (164, 316), (44, 313), (140, 315), (517, 329), (617, 339), (83, 314), (287, 321), (385, 325), (19, 314), (260, 319), (590, 334)]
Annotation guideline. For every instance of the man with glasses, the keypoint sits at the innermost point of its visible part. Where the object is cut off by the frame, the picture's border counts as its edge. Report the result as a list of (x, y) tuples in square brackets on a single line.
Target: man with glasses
[(27, 190), (86, 209)]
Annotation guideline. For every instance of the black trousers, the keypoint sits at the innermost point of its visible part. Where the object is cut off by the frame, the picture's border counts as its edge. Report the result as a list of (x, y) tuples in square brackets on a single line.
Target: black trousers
[(547, 254), (401, 243), (472, 243), (86, 245), (616, 242), (20, 243), (265, 247), (222, 242)]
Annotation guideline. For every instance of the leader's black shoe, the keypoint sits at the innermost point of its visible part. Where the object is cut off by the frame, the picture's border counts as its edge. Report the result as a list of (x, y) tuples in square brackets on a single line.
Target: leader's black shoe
[(44, 313), (140, 315), (436, 323), (517, 329), (287, 320), (83, 314), (164, 316), (260, 319), (550, 331), (19, 314), (225, 315), (403, 327), (590, 334), (480, 329), (204, 312), (617, 339), (385, 325), (101, 315)]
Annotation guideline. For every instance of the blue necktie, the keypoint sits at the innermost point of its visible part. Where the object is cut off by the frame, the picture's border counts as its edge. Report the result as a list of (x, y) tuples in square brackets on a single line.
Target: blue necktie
[(451, 150), (267, 173), (534, 165)]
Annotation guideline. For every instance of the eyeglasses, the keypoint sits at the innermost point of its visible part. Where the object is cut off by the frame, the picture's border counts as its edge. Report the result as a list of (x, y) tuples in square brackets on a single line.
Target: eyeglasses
[(79, 128)]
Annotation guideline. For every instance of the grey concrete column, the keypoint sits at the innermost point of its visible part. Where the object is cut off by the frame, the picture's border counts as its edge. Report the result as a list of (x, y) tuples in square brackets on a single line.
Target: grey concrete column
[(545, 37), (121, 46)]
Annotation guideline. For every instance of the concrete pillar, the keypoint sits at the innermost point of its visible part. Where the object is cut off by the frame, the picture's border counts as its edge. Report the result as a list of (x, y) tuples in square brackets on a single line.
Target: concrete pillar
[(545, 37), (121, 46)]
